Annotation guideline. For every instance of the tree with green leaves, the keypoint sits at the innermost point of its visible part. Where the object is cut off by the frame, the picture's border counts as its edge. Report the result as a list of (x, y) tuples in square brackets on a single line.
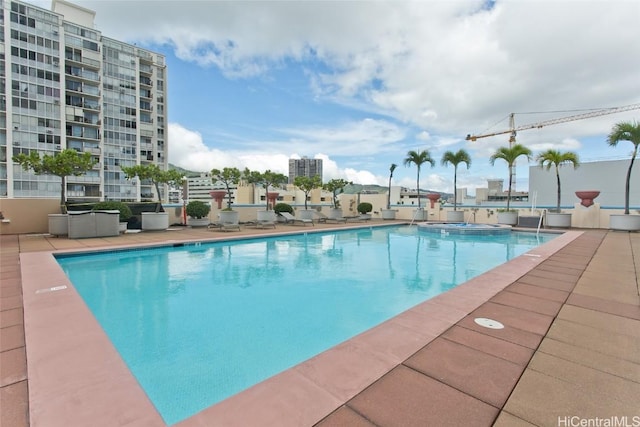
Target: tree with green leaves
[(266, 179), (307, 184), (460, 156), (392, 168), (626, 131), (152, 172), (336, 186), (66, 163), (418, 158), (556, 159), (229, 177), (509, 155)]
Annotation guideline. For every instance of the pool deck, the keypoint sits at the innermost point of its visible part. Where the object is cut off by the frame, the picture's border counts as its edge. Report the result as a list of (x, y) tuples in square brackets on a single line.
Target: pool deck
[(570, 349)]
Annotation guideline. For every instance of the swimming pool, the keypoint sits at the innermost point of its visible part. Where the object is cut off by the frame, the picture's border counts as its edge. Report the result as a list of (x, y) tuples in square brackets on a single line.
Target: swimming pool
[(193, 325)]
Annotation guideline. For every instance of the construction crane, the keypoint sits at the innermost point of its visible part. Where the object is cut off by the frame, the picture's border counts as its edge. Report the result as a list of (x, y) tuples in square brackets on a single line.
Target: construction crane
[(513, 129)]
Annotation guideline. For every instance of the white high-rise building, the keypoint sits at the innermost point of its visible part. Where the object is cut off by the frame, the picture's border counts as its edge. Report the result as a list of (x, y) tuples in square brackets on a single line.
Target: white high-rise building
[(304, 167), (63, 85)]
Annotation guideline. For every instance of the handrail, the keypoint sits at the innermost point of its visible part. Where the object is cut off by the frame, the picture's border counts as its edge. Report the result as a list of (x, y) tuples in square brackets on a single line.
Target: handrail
[(414, 215), (542, 212)]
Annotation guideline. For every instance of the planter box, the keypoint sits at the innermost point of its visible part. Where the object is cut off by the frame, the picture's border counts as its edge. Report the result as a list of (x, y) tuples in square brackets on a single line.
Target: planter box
[(198, 222), (509, 218), (529, 221), (624, 222), (154, 221), (58, 224), (84, 224), (420, 215), (558, 220), (266, 216), (229, 217), (455, 216), (388, 213), (335, 213)]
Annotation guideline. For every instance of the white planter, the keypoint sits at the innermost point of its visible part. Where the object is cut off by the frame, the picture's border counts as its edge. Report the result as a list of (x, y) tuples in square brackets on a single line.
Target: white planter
[(198, 222), (509, 218), (306, 213), (122, 227), (420, 214), (58, 224), (229, 217), (388, 213), (266, 216), (365, 217), (455, 216), (335, 213), (558, 220), (624, 222), (153, 221)]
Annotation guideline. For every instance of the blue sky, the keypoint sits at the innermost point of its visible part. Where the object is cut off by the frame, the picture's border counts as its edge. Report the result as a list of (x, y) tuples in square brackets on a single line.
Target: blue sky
[(360, 83)]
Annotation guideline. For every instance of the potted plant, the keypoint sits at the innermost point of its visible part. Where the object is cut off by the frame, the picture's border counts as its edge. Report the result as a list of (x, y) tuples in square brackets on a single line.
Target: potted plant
[(266, 179), (158, 220), (509, 155), (364, 209), (335, 186), (626, 131), (66, 163), (113, 205), (419, 158), (307, 184), (389, 213), (198, 212), (556, 218), (230, 177), (449, 157)]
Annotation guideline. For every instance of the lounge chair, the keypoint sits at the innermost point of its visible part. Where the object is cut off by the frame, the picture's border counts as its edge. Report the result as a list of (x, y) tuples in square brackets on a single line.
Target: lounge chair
[(225, 226), (324, 218), (265, 224), (290, 219)]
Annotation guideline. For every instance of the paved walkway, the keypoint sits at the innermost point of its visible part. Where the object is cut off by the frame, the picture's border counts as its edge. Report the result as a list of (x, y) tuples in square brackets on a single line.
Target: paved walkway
[(570, 349)]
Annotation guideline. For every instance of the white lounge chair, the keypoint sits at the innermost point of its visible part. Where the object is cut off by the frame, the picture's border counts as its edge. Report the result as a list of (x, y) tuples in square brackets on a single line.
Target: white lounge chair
[(290, 219), (324, 218)]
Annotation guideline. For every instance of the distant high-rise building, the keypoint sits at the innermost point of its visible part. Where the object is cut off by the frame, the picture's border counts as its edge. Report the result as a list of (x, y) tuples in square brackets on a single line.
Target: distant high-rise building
[(304, 167), (65, 86)]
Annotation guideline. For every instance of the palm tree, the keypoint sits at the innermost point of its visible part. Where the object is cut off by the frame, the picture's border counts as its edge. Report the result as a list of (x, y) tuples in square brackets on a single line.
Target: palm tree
[(626, 131), (557, 159), (391, 169), (418, 158), (509, 155), (461, 156)]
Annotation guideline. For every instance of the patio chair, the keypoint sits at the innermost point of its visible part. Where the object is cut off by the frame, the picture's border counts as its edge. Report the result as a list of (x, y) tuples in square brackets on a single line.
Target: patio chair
[(224, 226), (324, 218), (263, 223), (290, 219)]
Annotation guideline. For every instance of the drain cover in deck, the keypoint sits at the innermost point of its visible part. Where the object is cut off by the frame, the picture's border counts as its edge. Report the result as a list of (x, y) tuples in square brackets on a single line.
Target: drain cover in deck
[(488, 323)]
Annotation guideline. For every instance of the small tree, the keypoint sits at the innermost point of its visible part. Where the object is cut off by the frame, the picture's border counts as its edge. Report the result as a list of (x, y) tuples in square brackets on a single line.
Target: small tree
[(626, 131), (336, 186), (418, 158), (391, 169), (364, 208), (307, 184), (509, 155), (113, 205), (461, 156), (557, 159), (197, 209), (157, 176), (66, 163), (229, 177), (266, 179)]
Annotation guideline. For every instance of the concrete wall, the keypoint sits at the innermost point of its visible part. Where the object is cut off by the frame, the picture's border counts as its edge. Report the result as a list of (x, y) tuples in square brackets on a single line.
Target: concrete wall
[(27, 215), (606, 176)]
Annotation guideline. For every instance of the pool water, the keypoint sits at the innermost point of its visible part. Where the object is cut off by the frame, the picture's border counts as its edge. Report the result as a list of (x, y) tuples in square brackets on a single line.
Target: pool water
[(198, 323)]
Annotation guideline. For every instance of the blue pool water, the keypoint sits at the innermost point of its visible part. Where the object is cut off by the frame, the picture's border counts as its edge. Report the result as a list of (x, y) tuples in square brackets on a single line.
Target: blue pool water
[(201, 322)]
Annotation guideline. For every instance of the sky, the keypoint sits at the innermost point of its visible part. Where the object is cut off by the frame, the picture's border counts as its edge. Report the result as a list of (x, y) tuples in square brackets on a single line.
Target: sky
[(360, 83)]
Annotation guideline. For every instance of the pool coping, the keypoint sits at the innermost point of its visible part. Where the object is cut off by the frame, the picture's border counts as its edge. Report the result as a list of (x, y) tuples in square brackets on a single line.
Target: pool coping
[(79, 378)]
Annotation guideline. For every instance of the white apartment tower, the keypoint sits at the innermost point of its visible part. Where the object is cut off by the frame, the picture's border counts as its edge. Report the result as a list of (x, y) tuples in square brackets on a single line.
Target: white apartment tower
[(64, 85)]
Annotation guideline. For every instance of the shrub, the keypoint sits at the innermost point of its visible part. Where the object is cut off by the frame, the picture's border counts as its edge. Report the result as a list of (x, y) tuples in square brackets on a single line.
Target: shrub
[(365, 208), (283, 207), (125, 211), (198, 209)]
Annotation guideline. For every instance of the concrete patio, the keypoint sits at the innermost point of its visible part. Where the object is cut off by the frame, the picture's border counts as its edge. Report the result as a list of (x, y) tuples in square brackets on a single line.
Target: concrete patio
[(570, 349)]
